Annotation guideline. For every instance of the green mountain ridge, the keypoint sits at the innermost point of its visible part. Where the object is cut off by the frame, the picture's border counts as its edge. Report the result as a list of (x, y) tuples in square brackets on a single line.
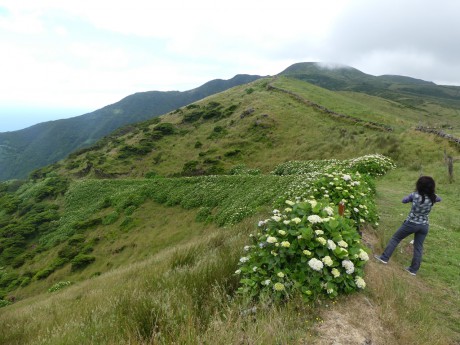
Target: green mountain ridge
[(48, 142), (396, 88)]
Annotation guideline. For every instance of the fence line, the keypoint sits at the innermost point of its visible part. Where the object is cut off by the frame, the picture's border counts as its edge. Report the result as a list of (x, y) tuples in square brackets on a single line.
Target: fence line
[(370, 124), (438, 133)]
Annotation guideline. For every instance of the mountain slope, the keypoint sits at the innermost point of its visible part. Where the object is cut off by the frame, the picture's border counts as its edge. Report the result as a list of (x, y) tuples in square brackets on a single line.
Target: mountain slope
[(252, 125), (36, 146), (148, 226)]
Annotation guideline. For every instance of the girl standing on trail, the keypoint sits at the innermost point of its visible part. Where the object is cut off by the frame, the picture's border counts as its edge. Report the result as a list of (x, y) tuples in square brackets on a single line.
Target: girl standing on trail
[(416, 222)]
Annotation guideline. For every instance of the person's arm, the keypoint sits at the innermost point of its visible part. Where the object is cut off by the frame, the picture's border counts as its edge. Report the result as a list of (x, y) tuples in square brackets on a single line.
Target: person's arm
[(408, 198)]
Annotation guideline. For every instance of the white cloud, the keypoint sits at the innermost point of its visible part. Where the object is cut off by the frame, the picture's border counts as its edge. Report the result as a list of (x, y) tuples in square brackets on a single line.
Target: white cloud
[(90, 53)]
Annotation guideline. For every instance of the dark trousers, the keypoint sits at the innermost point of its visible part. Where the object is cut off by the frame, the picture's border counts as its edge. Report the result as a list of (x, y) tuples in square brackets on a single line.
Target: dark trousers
[(408, 228)]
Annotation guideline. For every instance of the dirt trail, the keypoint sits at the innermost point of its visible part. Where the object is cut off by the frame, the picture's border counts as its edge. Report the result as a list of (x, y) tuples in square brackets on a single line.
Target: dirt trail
[(355, 319)]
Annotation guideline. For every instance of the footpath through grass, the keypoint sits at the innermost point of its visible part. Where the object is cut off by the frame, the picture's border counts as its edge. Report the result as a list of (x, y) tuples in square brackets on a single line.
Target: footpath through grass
[(437, 285)]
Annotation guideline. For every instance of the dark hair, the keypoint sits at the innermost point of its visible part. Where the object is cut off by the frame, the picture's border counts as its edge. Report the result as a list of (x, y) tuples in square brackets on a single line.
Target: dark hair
[(426, 186)]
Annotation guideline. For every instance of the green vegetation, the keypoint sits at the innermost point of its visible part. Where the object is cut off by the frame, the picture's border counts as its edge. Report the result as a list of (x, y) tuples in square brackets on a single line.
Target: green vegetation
[(152, 253), (34, 147)]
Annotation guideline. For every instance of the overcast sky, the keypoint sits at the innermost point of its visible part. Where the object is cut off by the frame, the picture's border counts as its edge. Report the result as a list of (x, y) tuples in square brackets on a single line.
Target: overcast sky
[(63, 58)]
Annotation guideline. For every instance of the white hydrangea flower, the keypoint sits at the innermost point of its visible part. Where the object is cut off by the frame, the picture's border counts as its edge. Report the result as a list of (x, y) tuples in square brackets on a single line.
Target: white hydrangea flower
[(290, 203), (296, 220), (276, 218), (254, 268), (237, 271), (288, 210), (329, 210), (319, 232), (314, 218), (246, 248), (307, 252), (266, 282), (280, 274), (286, 222), (321, 240), (335, 272), (271, 239), (363, 255), (244, 259), (285, 244), (278, 287), (346, 177), (355, 209), (275, 211), (360, 283), (327, 261), (342, 244), (329, 291), (331, 245), (313, 202), (315, 264), (349, 266), (261, 223), (282, 232)]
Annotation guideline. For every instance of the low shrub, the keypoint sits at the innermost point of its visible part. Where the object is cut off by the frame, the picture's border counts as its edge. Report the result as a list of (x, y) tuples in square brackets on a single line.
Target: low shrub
[(59, 286), (86, 224), (4, 303), (44, 273), (81, 261), (110, 218), (165, 128), (76, 240), (192, 116)]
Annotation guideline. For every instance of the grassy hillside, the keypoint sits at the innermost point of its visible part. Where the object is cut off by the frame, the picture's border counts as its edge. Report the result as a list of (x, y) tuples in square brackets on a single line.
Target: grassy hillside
[(259, 127), (407, 91), (149, 243), (45, 143)]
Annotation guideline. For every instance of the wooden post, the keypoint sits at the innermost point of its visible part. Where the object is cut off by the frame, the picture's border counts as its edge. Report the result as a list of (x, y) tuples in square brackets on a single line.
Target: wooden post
[(341, 208), (450, 168)]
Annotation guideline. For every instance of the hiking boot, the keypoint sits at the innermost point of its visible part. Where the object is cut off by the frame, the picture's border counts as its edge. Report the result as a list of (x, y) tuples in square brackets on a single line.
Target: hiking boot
[(380, 259), (410, 272)]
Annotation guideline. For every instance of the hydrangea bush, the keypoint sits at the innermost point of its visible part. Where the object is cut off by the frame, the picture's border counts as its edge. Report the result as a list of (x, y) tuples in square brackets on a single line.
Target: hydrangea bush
[(372, 165), (308, 247)]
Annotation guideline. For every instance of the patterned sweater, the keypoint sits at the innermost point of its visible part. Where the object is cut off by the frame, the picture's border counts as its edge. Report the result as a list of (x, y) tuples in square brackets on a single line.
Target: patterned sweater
[(419, 212)]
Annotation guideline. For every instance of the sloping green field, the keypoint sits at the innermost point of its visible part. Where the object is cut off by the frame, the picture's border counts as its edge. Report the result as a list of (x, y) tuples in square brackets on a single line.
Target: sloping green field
[(136, 248)]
